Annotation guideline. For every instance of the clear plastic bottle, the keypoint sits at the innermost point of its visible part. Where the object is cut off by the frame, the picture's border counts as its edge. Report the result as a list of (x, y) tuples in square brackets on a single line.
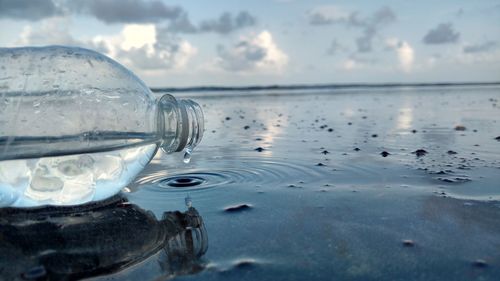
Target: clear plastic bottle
[(76, 126)]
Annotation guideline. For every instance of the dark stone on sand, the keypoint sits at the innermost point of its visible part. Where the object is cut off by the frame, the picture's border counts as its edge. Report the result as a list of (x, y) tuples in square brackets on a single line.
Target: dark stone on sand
[(258, 139), (414, 131), (259, 149), (349, 123), (420, 152), (408, 243), (246, 127), (384, 153), (330, 130), (325, 152), (451, 152), (320, 164), (238, 208), (460, 128), (498, 138), (374, 135), (356, 149), (228, 118)]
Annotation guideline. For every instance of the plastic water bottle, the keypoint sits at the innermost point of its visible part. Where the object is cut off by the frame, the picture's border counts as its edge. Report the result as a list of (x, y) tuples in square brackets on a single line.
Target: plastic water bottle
[(76, 126)]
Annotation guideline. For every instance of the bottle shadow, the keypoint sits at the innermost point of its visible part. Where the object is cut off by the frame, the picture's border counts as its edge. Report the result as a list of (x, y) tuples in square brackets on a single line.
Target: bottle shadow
[(110, 237)]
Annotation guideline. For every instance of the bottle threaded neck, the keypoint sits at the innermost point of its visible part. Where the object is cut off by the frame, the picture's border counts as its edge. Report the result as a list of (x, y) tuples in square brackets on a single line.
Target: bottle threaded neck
[(180, 124)]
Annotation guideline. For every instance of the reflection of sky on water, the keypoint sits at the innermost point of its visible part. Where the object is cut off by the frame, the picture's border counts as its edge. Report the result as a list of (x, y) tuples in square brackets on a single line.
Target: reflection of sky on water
[(405, 118)]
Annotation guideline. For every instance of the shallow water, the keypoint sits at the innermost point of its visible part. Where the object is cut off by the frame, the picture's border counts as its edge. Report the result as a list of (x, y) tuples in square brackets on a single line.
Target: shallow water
[(294, 186)]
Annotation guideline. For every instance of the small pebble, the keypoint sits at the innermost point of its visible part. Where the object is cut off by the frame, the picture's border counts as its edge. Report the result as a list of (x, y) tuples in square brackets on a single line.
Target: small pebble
[(325, 152), (228, 118), (374, 135), (451, 152), (320, 164), (460, 128), (408, 243), (246, 127), (420, 152), (356, 149), (480, 263), (259, 149), (384, 153), (414, 131), (238, 208), (330, 130), (498, 138)]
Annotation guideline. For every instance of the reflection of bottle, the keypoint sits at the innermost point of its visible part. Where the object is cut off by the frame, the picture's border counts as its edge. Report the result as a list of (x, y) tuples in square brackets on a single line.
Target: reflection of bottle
[(75, 126), (98, 238)]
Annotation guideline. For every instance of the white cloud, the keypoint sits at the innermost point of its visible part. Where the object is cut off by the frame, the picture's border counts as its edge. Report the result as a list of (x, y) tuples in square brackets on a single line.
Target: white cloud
[(50, 31), (145, 47), (142, 47), (253, 53), (327, 14), (349, 64), (404, 51)]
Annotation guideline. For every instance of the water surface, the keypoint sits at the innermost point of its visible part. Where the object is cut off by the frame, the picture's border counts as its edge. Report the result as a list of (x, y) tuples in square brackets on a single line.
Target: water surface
[(293, 186)]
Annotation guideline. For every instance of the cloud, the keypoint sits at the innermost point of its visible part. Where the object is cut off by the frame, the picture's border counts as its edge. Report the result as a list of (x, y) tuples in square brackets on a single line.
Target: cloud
[(126, 11), (182, 24), (370, 25), (442, 34), (404, 51), (55, 31), (52, 31), (335, 47), (480, 48), (148, 48), (256, 53), (350, 64), (325, 15), (27, 9), (139, 46), (226, 23)]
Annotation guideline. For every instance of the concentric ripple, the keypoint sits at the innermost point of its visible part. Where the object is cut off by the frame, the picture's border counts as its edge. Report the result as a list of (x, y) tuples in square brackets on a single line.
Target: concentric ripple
[(255, 172)]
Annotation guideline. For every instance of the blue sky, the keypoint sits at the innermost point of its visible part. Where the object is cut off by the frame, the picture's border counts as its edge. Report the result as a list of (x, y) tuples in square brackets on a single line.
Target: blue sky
[(191, 43)]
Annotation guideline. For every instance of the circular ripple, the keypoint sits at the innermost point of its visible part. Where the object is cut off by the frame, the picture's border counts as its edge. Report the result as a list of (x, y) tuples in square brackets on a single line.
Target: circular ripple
[(182, 181), (191, 181), (247, 171)]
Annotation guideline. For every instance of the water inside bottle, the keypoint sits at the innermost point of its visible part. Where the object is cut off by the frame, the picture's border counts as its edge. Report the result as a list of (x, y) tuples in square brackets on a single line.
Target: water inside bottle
[(70, 179)]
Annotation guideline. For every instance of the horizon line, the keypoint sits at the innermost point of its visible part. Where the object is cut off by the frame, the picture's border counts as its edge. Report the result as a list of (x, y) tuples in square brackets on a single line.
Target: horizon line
[(213, 88)]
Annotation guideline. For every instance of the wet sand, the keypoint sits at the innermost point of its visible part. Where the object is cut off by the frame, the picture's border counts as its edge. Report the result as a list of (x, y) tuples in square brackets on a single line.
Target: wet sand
[(296, 186)]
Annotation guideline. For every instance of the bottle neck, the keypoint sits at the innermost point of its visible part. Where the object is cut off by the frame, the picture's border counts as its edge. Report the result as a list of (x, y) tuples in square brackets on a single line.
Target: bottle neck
[(180, 124)]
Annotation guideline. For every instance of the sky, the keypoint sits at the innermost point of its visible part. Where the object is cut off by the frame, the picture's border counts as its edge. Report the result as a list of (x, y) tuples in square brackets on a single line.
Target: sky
[(238, 43)]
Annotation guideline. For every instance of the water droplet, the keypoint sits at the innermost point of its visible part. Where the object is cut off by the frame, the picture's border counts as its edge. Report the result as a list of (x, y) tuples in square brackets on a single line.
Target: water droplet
[(188, 201), (187, 156)]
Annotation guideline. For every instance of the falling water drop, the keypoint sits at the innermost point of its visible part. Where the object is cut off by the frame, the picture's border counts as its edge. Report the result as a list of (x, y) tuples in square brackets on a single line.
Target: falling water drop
[(188, 201), (187, 155)]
